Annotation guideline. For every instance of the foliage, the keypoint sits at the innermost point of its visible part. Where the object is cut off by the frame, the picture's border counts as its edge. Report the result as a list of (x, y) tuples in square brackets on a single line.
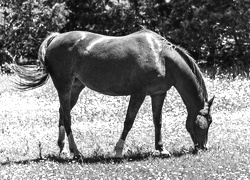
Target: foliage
[(29, 131), (215, 32), (110, 17), (26, 23)]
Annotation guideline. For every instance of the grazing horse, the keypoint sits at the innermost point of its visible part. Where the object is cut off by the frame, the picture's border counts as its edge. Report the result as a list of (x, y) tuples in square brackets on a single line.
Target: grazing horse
[(140, 64)]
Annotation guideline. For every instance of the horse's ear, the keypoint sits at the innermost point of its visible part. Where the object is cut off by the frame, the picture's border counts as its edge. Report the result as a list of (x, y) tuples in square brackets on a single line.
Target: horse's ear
[(210, 102)]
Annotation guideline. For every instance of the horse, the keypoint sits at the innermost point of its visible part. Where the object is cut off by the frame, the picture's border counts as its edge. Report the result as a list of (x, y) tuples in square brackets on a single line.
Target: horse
[(137, 65)]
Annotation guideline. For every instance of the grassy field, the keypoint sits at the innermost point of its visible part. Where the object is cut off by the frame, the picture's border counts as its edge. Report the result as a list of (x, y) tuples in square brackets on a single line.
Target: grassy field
[(29, 131)]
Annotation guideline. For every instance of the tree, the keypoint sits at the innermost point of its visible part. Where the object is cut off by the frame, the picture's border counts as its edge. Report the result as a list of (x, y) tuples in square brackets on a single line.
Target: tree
[(27, 24), (216, 31), (106, 17)]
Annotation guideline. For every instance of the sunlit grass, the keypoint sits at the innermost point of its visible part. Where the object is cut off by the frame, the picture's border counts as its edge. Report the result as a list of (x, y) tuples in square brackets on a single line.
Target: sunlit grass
[(29, 128)]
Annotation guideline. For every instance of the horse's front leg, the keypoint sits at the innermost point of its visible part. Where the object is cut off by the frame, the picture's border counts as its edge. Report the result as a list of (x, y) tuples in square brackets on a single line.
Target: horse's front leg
[(134, 104), (157, 103)]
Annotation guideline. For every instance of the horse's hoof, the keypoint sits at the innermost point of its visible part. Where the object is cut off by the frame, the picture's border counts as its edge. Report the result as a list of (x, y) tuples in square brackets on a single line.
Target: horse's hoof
[(165, 154), (118, 156), (195, 151), (63, 154), (78, 158), (198, 149), (118, 152)]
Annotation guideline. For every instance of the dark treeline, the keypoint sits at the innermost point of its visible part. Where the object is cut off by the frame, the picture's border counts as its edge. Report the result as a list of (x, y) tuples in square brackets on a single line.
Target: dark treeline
[(215, 32)]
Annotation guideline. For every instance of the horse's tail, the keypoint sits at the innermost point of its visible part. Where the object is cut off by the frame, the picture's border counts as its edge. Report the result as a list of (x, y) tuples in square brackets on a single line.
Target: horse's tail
[(33, 76)]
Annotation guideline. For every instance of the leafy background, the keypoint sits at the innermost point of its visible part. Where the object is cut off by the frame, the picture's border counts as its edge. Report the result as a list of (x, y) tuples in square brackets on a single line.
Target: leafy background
[(215, 32)]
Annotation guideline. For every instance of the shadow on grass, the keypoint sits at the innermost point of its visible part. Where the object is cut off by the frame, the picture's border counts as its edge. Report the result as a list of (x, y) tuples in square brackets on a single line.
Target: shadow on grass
[(130, 157)]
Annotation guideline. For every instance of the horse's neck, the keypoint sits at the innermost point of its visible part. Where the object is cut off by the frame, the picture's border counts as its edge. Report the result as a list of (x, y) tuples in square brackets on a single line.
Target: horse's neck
[(190, 95), (189, 89), (187, 79)]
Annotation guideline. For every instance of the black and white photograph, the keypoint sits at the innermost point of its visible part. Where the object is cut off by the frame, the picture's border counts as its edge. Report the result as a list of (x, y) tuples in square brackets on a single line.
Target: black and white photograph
[(125, 89)]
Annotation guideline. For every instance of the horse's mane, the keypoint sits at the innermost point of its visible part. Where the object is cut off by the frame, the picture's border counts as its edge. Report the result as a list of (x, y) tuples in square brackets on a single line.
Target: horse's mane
[(195, 69)]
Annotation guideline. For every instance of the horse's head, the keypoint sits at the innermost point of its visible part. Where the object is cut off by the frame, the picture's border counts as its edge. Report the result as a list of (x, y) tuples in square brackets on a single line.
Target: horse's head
[(201, 126)]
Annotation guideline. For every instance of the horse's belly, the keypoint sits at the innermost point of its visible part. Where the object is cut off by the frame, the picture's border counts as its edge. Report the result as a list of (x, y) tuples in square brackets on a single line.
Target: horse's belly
[(110, 90), (118, 86), (125, 90), (106, 84)]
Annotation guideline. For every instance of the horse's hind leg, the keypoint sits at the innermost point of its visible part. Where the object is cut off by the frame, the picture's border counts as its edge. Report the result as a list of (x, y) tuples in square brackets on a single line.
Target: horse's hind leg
[(157, 103), (67, 101), (61, 136), (75, 91), (134, 104)]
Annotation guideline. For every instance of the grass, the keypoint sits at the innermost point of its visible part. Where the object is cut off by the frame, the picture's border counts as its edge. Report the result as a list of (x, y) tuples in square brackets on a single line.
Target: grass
[(29, 131)]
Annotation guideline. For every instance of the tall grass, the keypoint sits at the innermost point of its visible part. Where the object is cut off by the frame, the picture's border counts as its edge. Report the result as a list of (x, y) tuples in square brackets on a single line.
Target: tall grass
[(29, 130)]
